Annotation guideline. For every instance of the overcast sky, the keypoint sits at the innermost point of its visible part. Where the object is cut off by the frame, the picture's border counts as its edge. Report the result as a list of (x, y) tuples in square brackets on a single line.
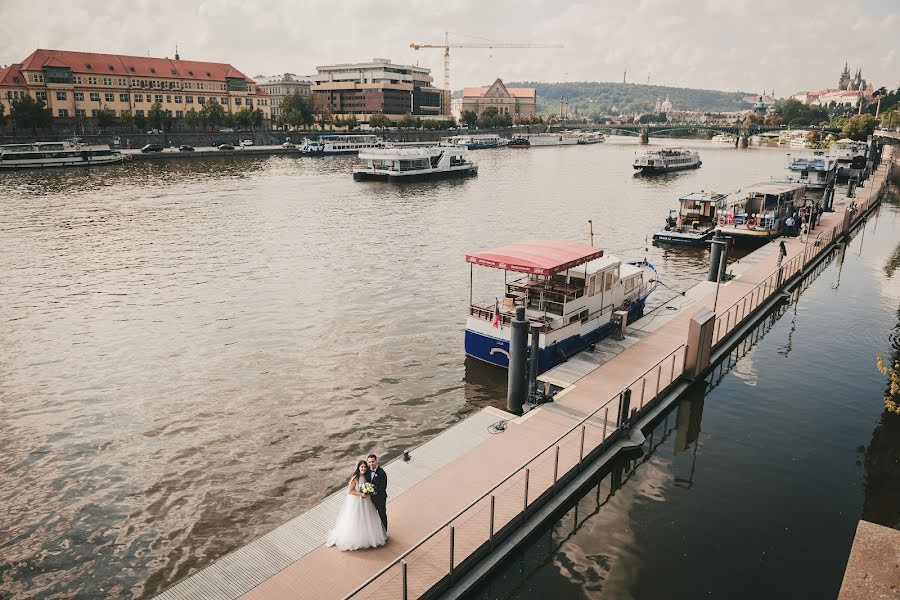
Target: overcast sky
[(749, 45)]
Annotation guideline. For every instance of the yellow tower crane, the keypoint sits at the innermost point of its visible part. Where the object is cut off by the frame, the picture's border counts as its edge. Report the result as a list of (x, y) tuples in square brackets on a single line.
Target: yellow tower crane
[(447, 45)]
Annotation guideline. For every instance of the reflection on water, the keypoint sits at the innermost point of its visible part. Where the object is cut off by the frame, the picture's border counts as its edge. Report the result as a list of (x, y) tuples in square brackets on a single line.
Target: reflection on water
[(193, 350), (774, 481)]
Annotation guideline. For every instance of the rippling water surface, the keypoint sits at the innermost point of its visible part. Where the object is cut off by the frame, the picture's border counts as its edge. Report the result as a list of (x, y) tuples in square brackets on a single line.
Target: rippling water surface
[(194, 351)]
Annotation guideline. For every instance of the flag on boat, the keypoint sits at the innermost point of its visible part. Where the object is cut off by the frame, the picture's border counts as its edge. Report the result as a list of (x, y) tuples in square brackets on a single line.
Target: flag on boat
[(496, 319)]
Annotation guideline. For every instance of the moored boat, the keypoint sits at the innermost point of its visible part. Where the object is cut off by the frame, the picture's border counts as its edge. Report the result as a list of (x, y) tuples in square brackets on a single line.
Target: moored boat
[(815, 171), (477, 142), (413, 163), (850, 155), (723, 138), (551, 139), (667, 159), (571, 290), (757, 213), (69, 153), (326, 145), (589, 137), (695, 220), (519, 142)]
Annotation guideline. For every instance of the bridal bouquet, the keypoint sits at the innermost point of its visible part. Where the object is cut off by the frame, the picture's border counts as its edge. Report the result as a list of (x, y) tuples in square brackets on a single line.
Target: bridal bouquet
[(367, 488)]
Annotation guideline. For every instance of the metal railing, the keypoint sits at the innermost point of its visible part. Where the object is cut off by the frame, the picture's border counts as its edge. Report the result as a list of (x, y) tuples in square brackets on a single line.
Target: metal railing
[(479, 522)]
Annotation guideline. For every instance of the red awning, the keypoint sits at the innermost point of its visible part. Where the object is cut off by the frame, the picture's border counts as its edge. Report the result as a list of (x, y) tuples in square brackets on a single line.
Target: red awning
[(541, 257)]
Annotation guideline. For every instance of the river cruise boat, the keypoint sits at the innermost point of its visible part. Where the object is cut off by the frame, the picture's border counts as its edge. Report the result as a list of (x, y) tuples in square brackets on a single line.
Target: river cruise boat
[(571, 290), (723, 138), (43, 155), (477, 142), (770, 137), (410, 164), (551, 139), (815, 171), (694, 221), (757, 213), (519, 142), (850, 156), (326, 145), (667, 159), (589, 137)]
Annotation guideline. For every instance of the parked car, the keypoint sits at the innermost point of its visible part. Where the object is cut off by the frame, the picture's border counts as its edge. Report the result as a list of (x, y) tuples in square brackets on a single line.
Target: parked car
[(246, 143), (185, 148), (154, 131), (226, 130), (218, 143), (225, 147), (103, 132), (289, 145), (152, 148)]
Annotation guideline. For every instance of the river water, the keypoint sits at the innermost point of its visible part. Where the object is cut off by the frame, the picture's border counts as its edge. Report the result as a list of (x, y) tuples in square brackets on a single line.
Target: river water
[(195, 351), (753, 485)]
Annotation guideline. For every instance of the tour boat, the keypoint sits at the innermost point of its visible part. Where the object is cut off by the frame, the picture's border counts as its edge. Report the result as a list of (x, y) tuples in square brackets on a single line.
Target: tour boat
[(850, 156), (816, 172), (326, 145), (570, 289), (69, 153), (477, 142), (724, 138), (694, 222), (519, 142), (667, 159), (757, 213), (412, 163), (589, 137), (551, 139)]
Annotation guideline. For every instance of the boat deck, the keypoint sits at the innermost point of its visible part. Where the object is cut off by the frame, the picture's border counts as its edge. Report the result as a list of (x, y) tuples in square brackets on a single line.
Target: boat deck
[(484, 476)]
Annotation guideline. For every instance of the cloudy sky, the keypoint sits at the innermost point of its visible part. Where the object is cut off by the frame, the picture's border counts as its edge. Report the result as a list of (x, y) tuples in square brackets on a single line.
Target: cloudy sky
[(749, 45)]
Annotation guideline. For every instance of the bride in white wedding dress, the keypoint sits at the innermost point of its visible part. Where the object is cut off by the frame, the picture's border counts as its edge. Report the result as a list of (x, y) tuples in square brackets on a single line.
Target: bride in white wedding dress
[(358, 525)]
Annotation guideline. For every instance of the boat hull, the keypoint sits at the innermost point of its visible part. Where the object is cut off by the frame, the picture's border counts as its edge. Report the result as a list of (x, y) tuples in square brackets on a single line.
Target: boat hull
[(683, 239), (495, 351), (454, 174), (53, 164), (648, 169)]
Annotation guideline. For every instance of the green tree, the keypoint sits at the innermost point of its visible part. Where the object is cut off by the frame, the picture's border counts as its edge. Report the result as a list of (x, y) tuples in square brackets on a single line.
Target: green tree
[(258, 118), (30, 113), (889, 120), (244, 117), (795, 113), (105, 117), (125, 119), (859, 127), (2, 114), (488, 117), (298, 110), (351, 123), (379, 120), (140, 121), (156, 115), (407, 121), (468, 118), (212, 114), (193, 119)]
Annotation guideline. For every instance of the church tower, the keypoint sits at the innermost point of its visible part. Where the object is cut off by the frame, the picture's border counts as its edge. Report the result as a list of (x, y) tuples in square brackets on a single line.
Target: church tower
[(844, 82)]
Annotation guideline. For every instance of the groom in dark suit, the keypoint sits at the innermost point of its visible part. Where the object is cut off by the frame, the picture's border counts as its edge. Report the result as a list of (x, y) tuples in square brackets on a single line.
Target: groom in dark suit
[(378, 478)]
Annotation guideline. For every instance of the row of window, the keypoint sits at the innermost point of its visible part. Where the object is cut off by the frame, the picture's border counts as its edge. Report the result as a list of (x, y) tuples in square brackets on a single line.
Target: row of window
[(142, 83), (110, 97), (80, 112)]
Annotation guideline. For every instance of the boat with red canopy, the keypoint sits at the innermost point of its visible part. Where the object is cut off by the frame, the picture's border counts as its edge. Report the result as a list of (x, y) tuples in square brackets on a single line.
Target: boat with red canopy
[(570, 289)]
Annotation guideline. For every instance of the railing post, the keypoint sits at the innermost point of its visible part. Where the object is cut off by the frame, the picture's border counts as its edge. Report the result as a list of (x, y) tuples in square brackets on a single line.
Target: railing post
[(658, 376), (556, 465), (527, 476), (643, 385), (672, 372), (405, 584), (452, 547), (492, 521), (581, 450), (605, 419)]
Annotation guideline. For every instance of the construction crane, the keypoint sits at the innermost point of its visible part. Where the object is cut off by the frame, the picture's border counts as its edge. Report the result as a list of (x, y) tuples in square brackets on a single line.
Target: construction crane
[(447, 45)]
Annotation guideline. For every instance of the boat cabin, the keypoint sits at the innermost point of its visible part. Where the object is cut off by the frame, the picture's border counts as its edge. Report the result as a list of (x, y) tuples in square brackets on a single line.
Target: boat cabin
[(759, 211)]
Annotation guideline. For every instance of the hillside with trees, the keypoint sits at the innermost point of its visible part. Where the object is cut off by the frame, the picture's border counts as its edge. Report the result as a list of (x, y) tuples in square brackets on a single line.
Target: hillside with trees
[(590, 97)]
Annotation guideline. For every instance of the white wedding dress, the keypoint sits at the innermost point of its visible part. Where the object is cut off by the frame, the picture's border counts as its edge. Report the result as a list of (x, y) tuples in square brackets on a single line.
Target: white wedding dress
[(358, 525)]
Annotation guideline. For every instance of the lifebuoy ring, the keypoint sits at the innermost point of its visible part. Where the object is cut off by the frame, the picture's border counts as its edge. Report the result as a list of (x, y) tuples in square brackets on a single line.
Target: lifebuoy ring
[(78, 147), (751, 223)]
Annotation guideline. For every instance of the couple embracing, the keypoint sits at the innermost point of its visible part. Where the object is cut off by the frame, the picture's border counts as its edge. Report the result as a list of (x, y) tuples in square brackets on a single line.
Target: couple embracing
[(362, 522)]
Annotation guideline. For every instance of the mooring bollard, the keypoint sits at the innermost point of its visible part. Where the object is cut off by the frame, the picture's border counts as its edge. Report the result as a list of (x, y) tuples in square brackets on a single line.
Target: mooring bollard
[(715, 257), (517, 387), (534, 355)]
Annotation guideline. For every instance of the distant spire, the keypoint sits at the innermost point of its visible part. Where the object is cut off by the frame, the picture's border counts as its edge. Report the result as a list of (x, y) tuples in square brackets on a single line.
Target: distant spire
[(176, 52)]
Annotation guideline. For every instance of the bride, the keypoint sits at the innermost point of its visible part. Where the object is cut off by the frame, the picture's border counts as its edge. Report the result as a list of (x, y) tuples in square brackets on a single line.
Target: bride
[(358, 525)]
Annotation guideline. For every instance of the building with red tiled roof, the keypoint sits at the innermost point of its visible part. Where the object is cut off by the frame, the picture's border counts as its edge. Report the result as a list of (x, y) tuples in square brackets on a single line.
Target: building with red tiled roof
[(78, 85), (516, 102)]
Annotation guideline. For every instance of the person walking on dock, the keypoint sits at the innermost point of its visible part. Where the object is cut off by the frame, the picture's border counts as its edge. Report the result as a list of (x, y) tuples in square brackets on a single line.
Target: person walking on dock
[(782, 252), (358, 524), (379, 479)]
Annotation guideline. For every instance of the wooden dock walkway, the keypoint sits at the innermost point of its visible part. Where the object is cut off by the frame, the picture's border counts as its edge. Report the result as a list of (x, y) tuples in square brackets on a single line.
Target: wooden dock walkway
[(451, 512)]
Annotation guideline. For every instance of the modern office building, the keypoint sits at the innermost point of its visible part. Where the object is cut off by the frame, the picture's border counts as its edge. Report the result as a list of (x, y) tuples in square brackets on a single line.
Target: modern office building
[(77, 85), (360, 89), (280, 86)]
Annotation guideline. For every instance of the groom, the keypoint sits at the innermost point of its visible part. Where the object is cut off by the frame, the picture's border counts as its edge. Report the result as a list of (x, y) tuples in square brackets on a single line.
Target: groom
[(378, 478)]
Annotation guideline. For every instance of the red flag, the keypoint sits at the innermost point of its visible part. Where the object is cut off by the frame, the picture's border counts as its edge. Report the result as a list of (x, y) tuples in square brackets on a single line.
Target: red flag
[(496, 320)]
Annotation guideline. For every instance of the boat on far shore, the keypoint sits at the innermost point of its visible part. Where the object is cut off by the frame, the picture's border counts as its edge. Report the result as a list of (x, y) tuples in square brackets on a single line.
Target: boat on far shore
[(667, 159), (723, 138), (68, 153), (399, 163)]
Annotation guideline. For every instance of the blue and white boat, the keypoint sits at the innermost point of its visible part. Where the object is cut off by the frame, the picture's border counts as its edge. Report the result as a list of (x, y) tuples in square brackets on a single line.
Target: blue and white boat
[(570, 289), (328, 145), (815, 171)]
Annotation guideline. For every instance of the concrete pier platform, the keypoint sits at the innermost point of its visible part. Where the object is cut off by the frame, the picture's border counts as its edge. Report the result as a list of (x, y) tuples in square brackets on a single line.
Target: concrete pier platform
[(873, 571), (453, 509)]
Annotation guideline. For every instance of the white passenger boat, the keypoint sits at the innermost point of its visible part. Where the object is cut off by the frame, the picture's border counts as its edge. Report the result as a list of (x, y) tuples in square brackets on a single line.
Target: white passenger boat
[(70, 153), (326, 145), (571, 290), (589, 137), (850, 156), (667, 159), (477, 142), (408, 164), (757, 213), (723, 138), (815, 170), (695, 220), (551, 139)]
